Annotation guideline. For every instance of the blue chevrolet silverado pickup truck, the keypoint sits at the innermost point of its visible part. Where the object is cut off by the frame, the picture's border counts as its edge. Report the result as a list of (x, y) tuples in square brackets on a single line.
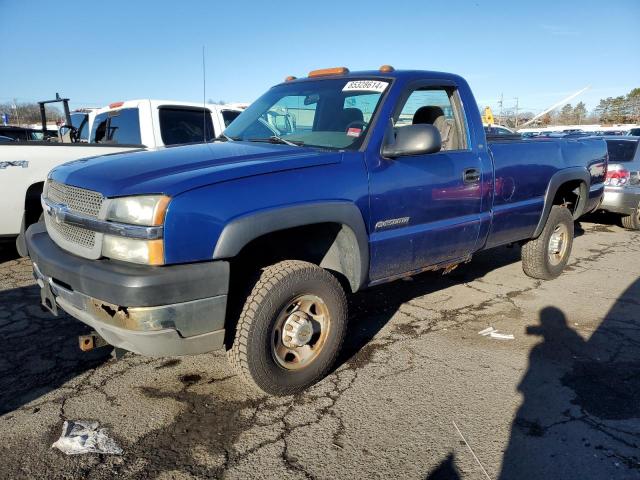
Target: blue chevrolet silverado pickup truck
[(325, 185)]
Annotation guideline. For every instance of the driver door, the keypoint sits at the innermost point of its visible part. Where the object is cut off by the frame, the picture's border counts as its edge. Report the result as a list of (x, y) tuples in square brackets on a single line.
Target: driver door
[(425, 209)]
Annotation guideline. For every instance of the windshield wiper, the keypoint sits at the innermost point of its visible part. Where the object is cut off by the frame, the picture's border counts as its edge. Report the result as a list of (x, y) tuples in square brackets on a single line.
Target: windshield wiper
[(276, 139)]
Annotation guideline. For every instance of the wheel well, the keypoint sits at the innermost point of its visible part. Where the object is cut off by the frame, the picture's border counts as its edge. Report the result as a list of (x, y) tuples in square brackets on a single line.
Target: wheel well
[(332, 246), (573, 195), (32, 205)]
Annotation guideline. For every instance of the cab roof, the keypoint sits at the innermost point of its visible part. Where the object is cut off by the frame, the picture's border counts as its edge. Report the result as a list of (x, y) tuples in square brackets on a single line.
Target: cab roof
[(394, 74)]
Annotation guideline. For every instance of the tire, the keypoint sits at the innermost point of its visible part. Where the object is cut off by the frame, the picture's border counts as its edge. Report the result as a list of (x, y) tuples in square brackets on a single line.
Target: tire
[(283, 291), (632, 222), (538, 261)]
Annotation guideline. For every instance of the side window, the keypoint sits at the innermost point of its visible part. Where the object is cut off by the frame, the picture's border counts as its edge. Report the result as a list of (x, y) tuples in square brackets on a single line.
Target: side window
[(229, 116), (81, 122), (437, 107), (185, 125)]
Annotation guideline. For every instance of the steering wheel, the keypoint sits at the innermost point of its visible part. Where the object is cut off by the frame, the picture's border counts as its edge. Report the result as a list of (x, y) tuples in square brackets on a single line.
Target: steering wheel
[(73, 132)]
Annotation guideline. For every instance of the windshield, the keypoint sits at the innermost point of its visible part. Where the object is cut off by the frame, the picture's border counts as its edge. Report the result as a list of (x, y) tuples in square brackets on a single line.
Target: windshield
[(81, 122), (330, 113), (621, 150)]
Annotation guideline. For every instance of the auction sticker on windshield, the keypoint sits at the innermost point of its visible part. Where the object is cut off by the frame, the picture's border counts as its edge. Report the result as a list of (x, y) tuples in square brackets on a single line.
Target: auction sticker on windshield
[(365, 86)]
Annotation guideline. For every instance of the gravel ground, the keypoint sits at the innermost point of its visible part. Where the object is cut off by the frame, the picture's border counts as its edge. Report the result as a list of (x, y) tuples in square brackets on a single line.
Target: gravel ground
[(561, 400)]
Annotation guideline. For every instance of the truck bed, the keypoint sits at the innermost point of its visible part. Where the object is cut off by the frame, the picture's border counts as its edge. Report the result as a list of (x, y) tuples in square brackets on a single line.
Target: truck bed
[(523, 171)]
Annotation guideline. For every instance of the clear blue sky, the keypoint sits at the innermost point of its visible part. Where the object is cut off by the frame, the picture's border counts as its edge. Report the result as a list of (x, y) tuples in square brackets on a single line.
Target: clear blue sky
[(99, 52)]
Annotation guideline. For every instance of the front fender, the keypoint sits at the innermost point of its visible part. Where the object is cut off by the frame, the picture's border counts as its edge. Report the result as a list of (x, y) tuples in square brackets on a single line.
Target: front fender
[(349, 254)]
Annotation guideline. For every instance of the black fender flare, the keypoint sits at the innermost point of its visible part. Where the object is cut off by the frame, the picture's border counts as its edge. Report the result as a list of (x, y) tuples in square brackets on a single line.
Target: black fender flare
[(352, 238), (558, 179)]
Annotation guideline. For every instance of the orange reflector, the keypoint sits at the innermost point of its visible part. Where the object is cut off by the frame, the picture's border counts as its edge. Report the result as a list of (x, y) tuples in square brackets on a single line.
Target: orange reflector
[(156, 252), (289, 78), (161, 210), (116, 104), (386, 69), (329, 71)]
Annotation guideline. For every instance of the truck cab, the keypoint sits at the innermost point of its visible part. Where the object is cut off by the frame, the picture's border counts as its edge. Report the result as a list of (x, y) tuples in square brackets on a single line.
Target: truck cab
[(157, 123)]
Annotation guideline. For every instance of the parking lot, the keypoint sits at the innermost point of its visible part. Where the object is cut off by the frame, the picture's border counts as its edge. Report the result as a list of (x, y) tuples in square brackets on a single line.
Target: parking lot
[(561, 400)]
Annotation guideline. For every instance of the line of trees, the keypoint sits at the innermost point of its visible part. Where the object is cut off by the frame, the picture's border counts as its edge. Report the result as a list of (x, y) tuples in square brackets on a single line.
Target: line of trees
[(621, 109), (29, 113)]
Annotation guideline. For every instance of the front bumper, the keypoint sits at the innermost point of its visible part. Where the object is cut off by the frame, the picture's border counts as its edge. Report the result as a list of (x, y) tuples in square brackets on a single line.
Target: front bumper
[(153, 311), (622, 200)]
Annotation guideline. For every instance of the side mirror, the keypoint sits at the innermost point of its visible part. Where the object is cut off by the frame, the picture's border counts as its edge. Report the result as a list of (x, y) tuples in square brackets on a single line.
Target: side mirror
[(419, 139)]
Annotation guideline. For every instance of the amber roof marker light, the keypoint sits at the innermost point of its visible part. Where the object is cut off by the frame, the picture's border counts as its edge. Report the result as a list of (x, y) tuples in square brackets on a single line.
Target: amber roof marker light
[(290, 78), (324, 72), (386, 69)]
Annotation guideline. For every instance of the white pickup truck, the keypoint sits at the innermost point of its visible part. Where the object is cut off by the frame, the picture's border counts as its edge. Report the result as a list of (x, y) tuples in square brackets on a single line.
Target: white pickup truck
[(130, 125)]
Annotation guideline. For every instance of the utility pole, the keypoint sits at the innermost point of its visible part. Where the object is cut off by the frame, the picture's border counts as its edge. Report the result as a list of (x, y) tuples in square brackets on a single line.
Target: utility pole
[(500, 114), (15, 109), (516, 112)]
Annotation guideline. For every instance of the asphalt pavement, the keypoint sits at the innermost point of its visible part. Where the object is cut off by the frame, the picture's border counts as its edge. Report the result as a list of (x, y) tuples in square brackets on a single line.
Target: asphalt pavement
[(418, 392)]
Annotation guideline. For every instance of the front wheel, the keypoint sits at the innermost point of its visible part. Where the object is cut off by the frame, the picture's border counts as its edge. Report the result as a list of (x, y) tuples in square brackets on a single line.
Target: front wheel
[(546, 256), (291, 328), (632, 222)]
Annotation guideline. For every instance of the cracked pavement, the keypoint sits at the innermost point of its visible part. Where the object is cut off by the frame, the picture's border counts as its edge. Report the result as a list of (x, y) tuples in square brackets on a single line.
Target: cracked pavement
[(562, 400)]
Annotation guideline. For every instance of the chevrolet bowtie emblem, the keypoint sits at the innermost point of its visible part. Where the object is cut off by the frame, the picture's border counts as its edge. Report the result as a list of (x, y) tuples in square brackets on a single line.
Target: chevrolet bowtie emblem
[(57, 212)]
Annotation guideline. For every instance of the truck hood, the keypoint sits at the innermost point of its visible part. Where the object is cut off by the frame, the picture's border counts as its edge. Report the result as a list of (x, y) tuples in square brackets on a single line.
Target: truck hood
[(173, 170)]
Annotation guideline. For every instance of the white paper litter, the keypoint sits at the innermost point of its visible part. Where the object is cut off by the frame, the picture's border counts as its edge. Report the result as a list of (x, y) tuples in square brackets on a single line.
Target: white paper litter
[(493, 333), (85, 437)]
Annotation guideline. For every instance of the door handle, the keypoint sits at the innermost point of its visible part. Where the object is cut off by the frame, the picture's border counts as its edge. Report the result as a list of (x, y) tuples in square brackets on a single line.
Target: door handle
[(471, 175)]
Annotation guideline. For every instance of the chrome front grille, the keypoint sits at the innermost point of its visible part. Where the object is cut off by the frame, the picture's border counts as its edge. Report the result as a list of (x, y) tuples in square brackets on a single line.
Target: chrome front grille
[(77, 199), (74, 234), (75, 239)]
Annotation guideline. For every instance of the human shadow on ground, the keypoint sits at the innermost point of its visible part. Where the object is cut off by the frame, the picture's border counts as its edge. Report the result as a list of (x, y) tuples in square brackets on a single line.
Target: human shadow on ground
[(580, 416)]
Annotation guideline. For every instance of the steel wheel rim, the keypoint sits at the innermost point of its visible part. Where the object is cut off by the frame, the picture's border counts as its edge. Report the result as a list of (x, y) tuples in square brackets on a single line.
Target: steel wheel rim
[(293, 322), (558, 244)]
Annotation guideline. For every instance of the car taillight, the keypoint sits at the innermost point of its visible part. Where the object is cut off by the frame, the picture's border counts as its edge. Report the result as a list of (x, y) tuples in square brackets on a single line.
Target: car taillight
[(617, 177)]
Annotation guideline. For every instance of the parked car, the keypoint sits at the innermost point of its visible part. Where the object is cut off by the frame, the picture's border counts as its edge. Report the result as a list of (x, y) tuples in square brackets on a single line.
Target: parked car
[(634, 132), (21, 134), (250, 244), (622, 186), (122, 126), (499, 130), (6, 139)]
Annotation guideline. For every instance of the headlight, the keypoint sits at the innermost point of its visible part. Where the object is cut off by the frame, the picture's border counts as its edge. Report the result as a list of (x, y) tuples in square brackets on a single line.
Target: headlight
[(146, 210), (147, 252)]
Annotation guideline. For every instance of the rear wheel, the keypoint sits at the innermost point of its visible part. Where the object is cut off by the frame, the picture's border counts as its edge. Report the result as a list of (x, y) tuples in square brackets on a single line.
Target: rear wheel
[(632, 222), (291, 328), (546, 256)]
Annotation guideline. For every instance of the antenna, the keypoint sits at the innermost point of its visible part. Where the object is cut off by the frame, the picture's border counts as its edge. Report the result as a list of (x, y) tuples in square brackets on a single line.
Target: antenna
[(204, 101)]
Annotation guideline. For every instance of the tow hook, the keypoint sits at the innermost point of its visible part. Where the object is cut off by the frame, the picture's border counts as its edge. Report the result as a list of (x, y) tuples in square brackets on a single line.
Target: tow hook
[(91, 341)]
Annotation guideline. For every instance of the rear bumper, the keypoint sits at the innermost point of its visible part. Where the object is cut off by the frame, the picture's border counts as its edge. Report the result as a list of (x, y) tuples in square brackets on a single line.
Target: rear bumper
[(622, 200), (154, 311)]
